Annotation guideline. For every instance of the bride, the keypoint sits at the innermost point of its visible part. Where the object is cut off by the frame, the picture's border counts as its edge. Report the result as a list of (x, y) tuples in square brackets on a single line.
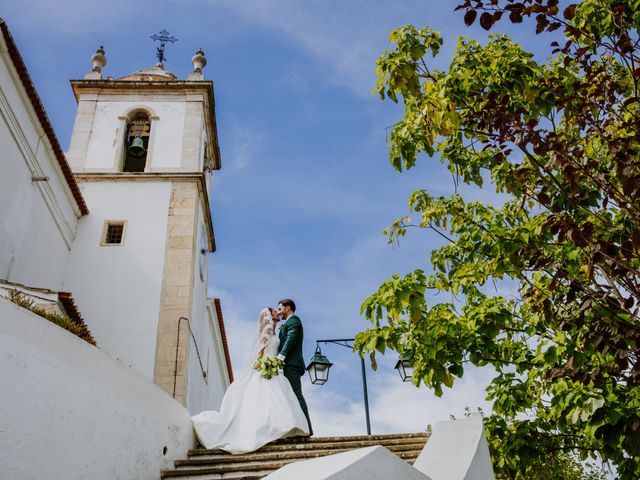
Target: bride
[(254, 410)]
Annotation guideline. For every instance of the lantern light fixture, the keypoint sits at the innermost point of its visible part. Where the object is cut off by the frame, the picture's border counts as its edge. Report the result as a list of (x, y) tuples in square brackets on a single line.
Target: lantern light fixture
[(318, 368), (405, 368)]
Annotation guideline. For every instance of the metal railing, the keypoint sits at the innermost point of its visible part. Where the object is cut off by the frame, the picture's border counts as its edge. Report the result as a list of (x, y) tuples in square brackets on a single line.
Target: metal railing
[(175, 372)]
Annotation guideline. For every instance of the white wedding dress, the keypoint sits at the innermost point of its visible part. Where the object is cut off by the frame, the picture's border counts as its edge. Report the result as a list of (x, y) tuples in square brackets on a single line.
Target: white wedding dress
[(254, 412)]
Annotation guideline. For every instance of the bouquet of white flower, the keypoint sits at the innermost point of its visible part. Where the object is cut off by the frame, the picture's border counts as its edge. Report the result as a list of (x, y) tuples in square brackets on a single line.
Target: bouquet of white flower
[(268, 366)]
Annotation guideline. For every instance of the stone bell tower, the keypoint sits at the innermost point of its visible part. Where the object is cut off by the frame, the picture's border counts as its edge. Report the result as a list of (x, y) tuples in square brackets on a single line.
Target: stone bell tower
[(143, 150)]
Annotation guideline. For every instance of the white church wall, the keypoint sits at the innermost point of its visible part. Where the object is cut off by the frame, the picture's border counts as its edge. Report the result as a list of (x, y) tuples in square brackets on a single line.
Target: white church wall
[(201, 394), (68, 411), (106, 125), (37, 219), (167, 146), (118, 288)]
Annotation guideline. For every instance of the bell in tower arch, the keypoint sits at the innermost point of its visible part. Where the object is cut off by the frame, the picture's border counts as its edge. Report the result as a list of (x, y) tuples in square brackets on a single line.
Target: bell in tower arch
[(136, 149), (137, 143)]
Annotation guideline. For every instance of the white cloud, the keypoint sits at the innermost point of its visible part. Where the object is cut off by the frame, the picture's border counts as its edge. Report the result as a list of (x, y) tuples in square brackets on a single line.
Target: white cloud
[(394, 406), (347, 37), (370, 254), (403, 407), (241, 145), (344, 38), (240, 328), (296, 80), (332, 32), (333, 414), (73, 17)]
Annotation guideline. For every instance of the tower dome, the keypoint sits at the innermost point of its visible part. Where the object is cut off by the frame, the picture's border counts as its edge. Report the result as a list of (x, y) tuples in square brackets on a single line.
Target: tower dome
[(151, 74)]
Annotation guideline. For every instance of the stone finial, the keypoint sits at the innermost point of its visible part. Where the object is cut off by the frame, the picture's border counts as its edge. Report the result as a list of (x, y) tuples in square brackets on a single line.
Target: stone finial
[(199, 61), (99, 59)]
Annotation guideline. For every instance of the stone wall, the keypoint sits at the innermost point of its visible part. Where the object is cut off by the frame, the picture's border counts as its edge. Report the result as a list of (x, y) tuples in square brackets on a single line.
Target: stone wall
[(177, 290)]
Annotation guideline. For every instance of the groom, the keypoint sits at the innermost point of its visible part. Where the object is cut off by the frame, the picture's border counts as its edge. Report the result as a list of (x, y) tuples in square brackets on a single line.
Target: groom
[(290, 351)]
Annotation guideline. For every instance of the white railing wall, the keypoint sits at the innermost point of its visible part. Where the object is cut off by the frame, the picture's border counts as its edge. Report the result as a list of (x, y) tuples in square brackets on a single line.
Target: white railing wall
[(69, 411)]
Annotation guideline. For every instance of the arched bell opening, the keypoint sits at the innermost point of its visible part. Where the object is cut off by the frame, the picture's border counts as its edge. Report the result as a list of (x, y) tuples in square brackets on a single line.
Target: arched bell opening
[(136, 142)]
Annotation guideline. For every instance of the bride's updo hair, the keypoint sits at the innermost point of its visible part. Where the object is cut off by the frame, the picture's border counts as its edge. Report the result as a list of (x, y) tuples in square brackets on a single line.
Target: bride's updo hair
[(266, 327)]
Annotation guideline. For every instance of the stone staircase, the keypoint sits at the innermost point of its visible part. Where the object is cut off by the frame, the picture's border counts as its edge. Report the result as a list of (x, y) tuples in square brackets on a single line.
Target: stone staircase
[(203, 464)]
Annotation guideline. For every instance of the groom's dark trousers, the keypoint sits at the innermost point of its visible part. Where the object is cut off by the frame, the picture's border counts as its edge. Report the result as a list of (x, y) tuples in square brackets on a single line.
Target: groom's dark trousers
[(294, 374)]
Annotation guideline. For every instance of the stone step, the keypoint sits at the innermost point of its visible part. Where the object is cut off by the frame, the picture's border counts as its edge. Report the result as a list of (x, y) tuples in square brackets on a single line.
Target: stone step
[(328, 443), (224, 457), (224, 476), (350, 438), (214, 464), (250, 470), (274, 457)]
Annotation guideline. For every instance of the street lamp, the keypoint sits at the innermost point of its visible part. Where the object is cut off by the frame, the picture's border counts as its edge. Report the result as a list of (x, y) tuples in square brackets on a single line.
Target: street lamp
[(405, 368), (319, 366)]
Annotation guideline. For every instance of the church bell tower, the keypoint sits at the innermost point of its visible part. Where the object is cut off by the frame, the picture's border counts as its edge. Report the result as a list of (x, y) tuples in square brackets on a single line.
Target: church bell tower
[(143, 149)]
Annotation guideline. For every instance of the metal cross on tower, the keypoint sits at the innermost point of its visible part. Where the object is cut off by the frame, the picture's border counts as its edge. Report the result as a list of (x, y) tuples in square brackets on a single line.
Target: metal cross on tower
[(163, 37)]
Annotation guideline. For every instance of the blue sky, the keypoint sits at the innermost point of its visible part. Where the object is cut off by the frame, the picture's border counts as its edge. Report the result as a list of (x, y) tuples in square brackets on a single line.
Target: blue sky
[(305, 187)]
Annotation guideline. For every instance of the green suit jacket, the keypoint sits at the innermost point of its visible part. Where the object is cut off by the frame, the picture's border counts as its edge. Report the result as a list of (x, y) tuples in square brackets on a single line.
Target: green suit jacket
[(291, 336)]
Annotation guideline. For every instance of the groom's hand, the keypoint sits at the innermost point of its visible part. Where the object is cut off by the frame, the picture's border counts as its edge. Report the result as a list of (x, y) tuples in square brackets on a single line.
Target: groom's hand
[(281, 357)]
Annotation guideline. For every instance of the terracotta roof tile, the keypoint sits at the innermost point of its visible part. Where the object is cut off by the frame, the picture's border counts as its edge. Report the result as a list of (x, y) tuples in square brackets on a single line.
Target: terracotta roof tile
[(69, 305), (223, 335)]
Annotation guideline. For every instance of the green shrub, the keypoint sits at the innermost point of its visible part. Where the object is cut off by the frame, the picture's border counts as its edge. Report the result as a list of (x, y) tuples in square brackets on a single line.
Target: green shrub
[(77, 327)]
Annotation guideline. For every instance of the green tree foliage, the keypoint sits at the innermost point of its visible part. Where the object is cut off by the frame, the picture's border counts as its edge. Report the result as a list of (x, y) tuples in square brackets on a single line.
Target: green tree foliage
[(559, 140)]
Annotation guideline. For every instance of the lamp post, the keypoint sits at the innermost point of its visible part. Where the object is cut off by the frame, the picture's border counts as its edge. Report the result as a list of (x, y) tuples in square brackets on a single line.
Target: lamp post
[(319, 367)]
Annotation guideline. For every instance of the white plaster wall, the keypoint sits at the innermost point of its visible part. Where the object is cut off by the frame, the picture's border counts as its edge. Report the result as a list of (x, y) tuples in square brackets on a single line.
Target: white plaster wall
[(37, 219), (203, 395), (118, 288), (166, 137), (68, 411)]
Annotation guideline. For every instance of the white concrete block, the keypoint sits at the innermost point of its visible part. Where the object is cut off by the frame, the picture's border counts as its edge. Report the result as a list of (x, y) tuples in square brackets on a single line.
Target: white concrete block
[(372, 463), (457, 450)]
